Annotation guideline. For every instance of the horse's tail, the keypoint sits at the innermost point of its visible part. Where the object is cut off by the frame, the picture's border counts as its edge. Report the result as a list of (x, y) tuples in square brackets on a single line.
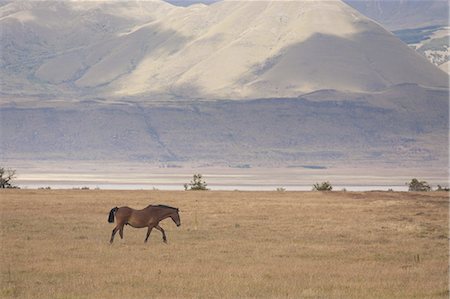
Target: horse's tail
[(111, 214)]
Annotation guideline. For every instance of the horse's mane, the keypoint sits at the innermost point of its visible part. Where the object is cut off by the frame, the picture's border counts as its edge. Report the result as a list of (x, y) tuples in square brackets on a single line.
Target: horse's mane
[(164, 206)]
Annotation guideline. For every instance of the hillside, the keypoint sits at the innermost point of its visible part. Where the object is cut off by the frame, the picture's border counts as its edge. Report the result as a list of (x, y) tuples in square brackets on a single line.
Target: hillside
[(230, 49)]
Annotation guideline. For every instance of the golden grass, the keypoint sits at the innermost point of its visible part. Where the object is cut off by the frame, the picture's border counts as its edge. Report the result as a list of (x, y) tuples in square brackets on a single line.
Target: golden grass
[(54, 244)]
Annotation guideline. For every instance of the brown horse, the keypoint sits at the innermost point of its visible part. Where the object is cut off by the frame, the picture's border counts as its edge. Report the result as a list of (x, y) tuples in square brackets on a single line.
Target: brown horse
[(148, 217)]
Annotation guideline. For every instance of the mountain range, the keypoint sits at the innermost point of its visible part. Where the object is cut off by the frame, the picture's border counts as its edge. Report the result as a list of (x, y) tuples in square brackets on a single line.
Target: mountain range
[(241, 82)]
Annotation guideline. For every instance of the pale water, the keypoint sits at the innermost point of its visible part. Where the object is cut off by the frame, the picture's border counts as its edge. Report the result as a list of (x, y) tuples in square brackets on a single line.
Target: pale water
[(243, 187)]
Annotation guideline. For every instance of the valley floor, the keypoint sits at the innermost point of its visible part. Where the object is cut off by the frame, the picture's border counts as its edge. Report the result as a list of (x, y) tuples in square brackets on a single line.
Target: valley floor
[(54, 244)]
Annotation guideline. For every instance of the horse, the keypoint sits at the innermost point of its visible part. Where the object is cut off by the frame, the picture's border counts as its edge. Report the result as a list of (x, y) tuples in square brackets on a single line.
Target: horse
[(148, 217)]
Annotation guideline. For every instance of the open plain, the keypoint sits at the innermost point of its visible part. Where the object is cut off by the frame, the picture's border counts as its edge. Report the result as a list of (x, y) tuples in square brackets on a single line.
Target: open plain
[(54, 244)]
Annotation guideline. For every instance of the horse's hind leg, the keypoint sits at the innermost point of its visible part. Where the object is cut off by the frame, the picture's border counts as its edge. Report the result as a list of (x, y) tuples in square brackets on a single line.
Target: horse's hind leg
[(163, 233), (114, 231), (148, 233)]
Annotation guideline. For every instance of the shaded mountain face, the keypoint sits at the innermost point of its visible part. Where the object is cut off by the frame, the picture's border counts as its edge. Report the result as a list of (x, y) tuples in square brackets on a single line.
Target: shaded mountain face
[(406, 126), (229, 49)]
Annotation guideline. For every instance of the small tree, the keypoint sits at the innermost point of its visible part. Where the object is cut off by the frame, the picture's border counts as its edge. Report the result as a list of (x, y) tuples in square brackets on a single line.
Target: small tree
[(197, 183), (324, 186), (415, 185), (6, 177)]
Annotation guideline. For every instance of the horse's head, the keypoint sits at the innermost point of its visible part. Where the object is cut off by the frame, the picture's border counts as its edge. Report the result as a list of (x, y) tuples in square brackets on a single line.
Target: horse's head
[(176, 217)]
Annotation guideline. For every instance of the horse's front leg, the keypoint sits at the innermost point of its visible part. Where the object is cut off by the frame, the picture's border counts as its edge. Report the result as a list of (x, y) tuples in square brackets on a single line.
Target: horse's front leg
[(163, 233), (121, 231), (150, 227)]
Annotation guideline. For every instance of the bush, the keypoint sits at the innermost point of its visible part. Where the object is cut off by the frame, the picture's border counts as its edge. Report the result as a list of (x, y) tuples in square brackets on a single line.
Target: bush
[(324, 186), (440, 188), (415, 186), (196, 184), (6, 177)]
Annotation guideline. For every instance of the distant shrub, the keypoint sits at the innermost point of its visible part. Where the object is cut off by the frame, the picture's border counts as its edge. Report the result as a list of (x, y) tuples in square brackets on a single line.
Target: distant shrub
[(197, 183), (415, 185), (324, 186), (82, 188), (440, 188), (281, 189)]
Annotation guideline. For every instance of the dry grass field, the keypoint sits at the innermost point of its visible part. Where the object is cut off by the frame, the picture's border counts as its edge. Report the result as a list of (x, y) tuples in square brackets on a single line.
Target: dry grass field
[(55, 244)]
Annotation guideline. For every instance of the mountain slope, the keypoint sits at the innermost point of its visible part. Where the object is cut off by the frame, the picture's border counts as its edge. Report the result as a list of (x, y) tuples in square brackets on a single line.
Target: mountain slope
[(404, 14), (423, 25), (230, 49)]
